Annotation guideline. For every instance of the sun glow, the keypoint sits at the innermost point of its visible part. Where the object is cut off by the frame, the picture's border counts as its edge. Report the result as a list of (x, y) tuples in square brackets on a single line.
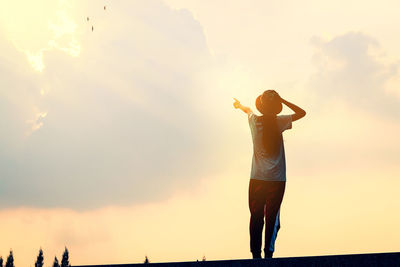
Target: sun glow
[(35, 59), (38, 26)]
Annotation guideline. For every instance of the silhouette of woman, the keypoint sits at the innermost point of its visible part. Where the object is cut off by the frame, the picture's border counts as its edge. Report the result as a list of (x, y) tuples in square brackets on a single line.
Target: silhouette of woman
[(268, 170)]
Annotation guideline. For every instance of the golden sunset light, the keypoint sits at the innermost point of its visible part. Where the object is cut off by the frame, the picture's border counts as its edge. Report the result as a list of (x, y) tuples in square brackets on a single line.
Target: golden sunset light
[(147, 128)]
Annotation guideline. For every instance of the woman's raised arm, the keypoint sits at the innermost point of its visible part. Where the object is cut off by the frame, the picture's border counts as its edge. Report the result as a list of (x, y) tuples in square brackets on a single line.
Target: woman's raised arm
[(298, 112), (237, 104)]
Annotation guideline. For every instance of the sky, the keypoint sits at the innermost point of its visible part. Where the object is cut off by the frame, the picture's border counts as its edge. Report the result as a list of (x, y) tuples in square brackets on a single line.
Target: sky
[(123, 142)]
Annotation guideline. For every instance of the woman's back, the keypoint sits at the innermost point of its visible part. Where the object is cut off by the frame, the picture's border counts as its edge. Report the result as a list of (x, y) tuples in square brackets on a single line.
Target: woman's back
[(268, 162)]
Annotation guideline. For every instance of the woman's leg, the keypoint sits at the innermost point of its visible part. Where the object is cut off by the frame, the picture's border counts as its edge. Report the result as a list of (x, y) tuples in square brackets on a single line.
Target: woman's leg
[(256, 205), (275, 191)]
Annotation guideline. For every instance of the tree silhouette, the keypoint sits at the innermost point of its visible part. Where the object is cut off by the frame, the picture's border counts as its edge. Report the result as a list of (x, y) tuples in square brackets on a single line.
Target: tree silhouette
[(1, 261), (10, 260), (55, 263), (146, 260), (65, 258), (39, 261)]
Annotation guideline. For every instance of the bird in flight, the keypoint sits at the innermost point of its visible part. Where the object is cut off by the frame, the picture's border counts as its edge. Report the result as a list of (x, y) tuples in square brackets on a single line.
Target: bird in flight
[(87, 18)]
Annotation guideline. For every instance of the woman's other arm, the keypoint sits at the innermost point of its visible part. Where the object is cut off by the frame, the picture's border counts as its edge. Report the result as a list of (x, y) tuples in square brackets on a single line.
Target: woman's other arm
[(237, 104), (298, 112)]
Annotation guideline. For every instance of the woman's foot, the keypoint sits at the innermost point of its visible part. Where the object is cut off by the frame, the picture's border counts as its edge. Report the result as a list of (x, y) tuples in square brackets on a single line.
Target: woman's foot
[(268, 254), (256, 255)]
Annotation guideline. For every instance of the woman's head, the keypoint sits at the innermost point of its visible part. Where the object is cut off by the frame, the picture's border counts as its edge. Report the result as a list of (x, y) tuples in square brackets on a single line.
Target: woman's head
[(269, 103)]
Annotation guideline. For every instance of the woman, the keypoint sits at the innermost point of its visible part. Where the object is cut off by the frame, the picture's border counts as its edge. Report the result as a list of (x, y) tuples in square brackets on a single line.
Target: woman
[(268, 170)]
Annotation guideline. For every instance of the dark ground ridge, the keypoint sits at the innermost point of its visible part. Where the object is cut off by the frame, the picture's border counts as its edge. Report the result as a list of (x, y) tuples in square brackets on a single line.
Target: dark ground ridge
[(351, 260)]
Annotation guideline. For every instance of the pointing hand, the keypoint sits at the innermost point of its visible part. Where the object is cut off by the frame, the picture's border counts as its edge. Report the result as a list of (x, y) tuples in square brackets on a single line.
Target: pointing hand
[(236, 104)]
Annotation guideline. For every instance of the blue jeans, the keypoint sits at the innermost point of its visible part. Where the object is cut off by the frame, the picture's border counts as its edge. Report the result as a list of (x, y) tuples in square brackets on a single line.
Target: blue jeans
[(265, 198)]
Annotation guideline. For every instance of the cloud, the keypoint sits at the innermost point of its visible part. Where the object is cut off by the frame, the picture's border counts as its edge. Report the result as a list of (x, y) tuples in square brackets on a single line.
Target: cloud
[(350, 68), (40, 26), (119, 123)]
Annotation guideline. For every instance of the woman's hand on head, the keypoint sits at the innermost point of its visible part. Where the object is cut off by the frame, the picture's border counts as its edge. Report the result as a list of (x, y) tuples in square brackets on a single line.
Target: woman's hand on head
[(278, 96)]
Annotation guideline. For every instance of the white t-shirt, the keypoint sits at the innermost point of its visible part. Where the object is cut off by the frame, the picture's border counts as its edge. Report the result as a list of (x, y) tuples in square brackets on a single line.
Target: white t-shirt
[(264, 168)]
